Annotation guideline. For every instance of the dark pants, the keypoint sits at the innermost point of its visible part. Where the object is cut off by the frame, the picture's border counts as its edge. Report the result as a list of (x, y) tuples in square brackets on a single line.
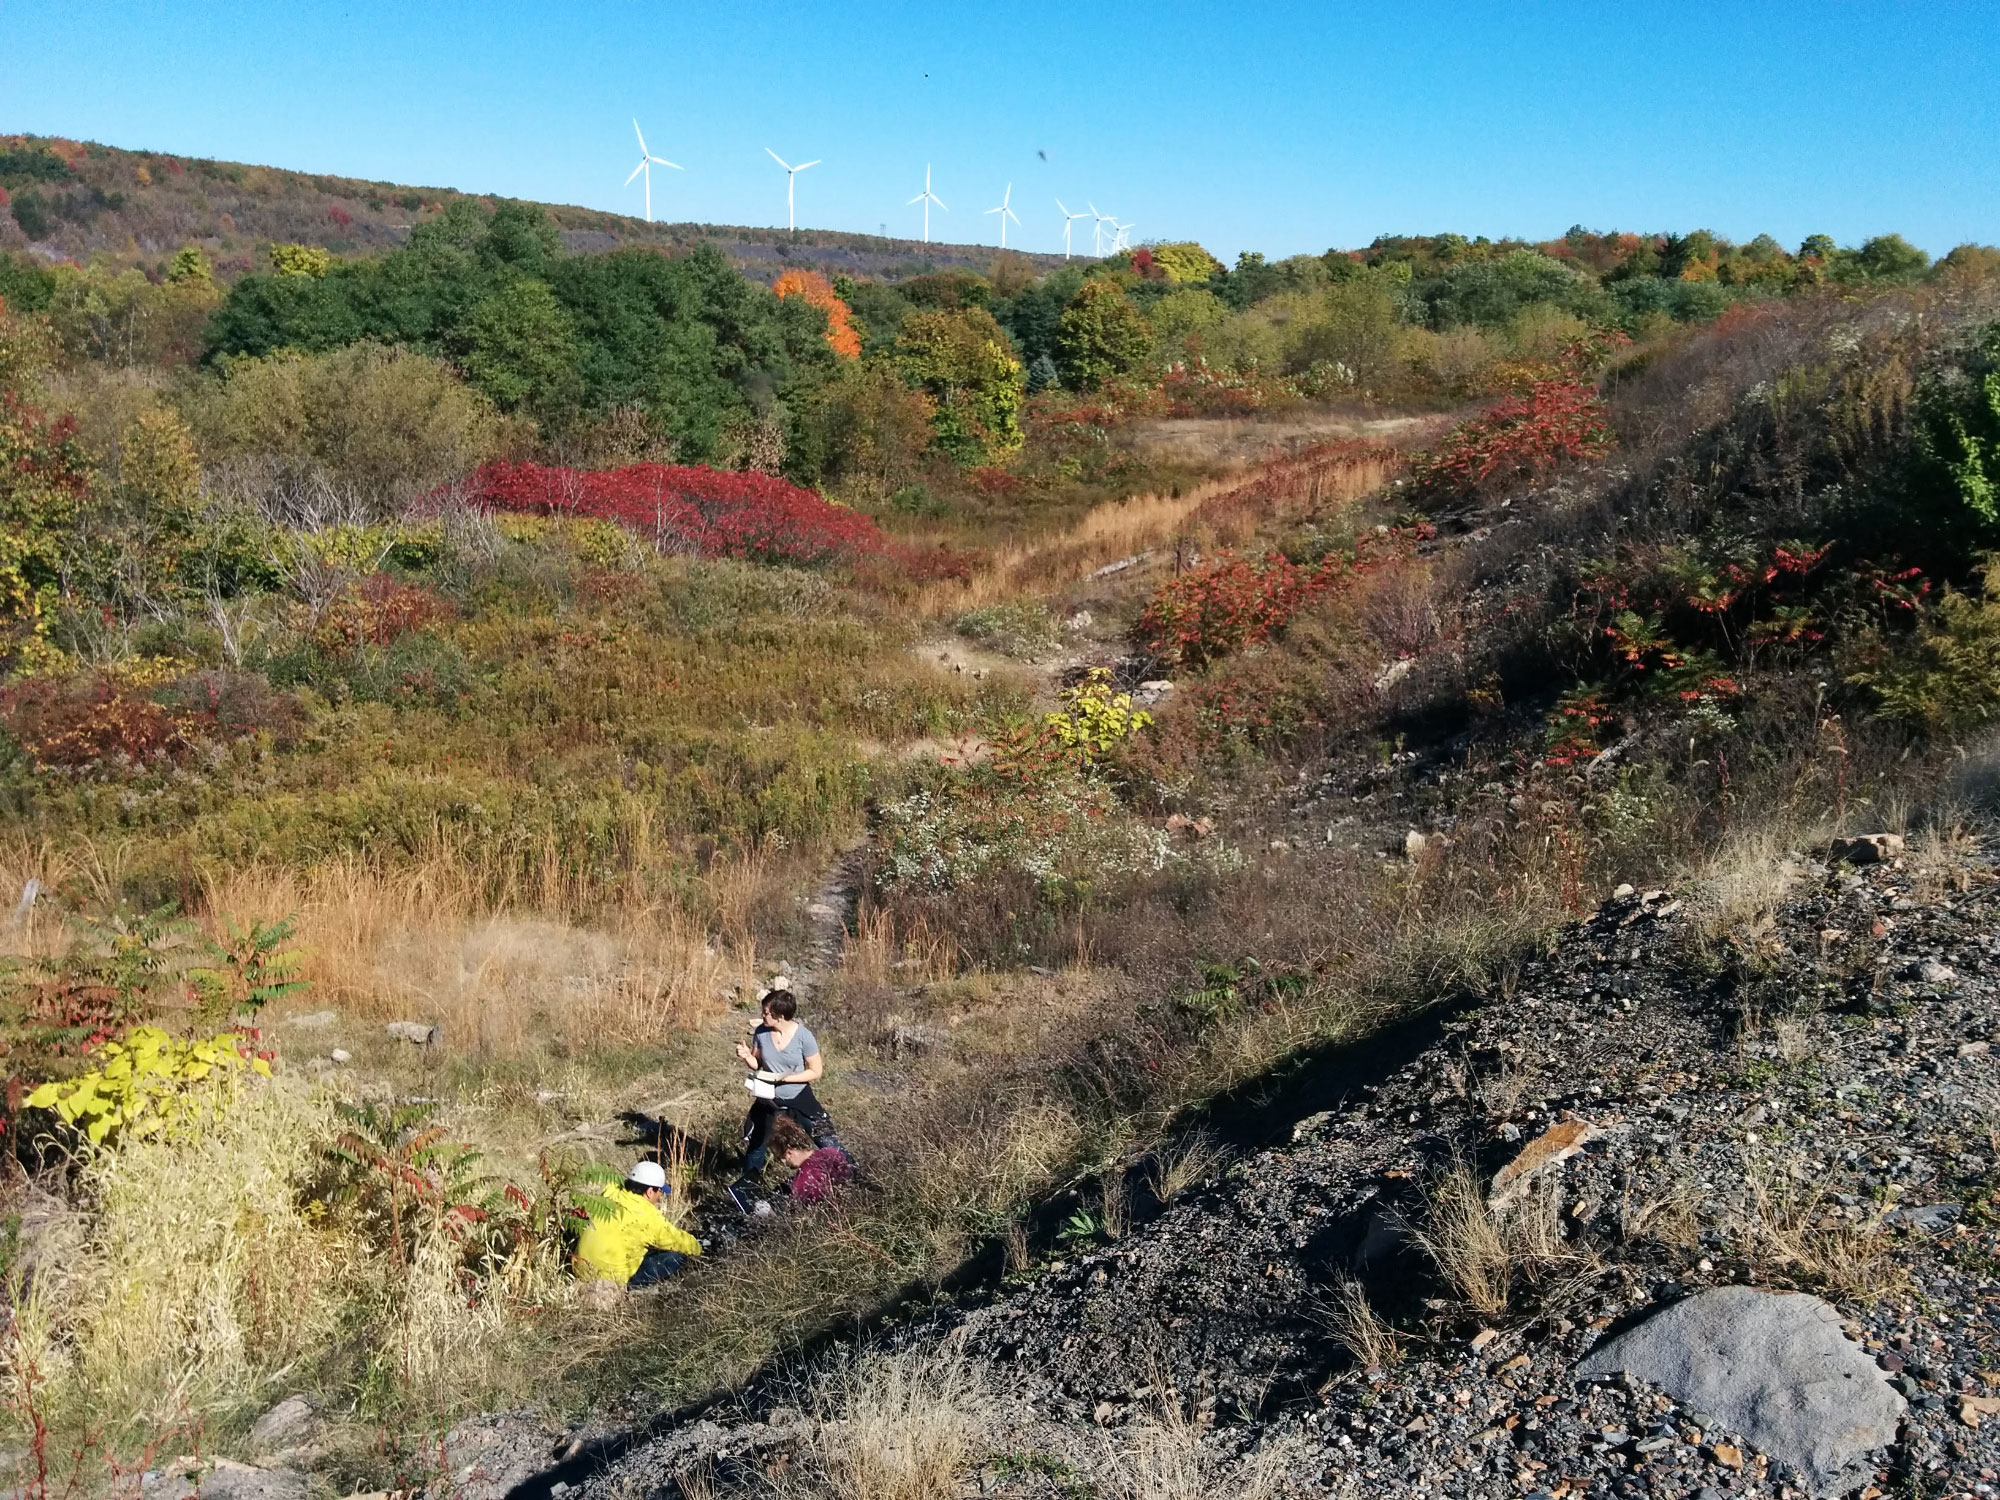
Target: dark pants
[(804, 1108), (656, 1267)]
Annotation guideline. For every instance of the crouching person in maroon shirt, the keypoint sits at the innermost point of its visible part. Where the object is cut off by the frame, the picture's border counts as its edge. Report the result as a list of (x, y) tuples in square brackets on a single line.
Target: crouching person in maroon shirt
[(816, 1171)]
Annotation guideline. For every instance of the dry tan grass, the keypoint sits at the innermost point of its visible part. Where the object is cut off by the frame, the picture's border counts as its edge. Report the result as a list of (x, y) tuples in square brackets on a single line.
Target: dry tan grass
[(1359, 1329), (1748, 876), (1185, 1162), (1114, 1212), (1945, 856), (196, 1282), (1164, 1460), (1126, 528), (1483, 1251), (1797, 1229), (877, 953), (900, 1427), (423, 943)]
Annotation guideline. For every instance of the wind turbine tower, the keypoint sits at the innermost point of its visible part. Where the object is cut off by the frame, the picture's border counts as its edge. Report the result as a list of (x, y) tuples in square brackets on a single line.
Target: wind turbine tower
[(647, 161), (927, 198), (791, 182), (1097, 228), (1005, 213), (1068, 219)]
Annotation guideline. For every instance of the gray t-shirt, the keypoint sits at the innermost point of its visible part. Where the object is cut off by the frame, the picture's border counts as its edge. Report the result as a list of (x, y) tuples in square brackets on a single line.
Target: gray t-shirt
[(790, 1058)]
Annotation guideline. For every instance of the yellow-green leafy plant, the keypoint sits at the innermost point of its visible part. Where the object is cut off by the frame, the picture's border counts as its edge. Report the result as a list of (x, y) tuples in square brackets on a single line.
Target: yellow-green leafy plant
[(300, 260), (1095, 720), (151, 1084)]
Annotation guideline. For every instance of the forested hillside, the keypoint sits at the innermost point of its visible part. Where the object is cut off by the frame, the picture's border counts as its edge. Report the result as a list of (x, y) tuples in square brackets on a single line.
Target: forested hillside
[(79, 200)]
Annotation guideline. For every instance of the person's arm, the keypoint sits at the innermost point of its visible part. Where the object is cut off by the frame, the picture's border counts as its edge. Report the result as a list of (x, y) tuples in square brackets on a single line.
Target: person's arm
[(666, 1235)]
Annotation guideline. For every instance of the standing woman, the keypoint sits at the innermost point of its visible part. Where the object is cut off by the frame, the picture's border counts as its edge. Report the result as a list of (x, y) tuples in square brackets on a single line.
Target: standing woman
[(785, 1062)]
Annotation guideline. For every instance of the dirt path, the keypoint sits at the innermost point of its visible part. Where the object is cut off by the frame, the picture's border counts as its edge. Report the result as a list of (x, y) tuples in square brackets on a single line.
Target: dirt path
[(1249, 440)]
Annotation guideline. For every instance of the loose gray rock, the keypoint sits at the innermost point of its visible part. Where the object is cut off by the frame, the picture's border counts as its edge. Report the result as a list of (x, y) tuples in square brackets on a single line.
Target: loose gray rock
[(226, 1481), (291, 1422), (314, 1019), (1773, 1366), (415, 1032)]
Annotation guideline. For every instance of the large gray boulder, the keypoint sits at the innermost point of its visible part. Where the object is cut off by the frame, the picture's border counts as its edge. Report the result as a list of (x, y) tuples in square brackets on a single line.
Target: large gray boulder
[(1772, 1366)]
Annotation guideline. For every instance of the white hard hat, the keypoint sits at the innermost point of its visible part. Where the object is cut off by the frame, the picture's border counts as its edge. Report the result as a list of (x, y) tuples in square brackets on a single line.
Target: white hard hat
[(647, 1174)]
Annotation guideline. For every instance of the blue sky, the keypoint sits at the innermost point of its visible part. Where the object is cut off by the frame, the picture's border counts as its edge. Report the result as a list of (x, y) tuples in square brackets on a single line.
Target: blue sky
[(1280, 127)]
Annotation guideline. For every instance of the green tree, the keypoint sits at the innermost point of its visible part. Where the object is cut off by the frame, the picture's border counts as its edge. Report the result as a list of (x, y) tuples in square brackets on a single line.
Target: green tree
[(190, 267), (1890, 257), (962, 361), (520, 348), (1100, 336)]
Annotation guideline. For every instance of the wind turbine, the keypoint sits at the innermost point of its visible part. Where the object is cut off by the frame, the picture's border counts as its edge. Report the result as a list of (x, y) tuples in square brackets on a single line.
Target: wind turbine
[(1068, 218), (791, 180), (1120, 243), (647, 161), (927, 198), (1005, 213), (1097, 229)]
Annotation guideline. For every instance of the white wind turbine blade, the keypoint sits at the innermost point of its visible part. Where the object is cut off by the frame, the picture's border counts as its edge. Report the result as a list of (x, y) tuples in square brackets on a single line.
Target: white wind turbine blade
[(938, 201), (637, 170), (662, 161), (804, 164), (779, 159), (642, 138), (1061, 210), (919, 198)]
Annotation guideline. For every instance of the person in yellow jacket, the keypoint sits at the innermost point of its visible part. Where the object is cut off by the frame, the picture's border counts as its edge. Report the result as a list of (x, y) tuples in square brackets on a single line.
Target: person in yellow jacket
[(632, 1243)]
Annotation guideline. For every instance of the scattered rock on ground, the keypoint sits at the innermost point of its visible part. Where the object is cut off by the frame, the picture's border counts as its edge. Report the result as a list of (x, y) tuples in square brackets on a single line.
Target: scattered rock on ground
[(291, 1422)]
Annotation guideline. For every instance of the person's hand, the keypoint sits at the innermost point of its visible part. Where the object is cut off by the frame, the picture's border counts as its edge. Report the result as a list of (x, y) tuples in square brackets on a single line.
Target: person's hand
[(749, 1057)]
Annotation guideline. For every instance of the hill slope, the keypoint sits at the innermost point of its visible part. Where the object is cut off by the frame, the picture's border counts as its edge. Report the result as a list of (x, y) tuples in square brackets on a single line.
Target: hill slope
[(78, 199)]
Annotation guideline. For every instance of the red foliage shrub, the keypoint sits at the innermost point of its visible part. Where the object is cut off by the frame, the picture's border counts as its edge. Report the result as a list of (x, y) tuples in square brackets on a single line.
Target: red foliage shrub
[(708, 512), (71, 726), (900, 566), (340, 216), (1233, 602), (992, 480), (102, 722), (379, 610), (1555, 422)]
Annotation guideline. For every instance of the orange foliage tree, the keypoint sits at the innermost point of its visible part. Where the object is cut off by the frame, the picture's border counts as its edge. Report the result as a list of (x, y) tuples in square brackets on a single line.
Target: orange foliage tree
[(841, 335)]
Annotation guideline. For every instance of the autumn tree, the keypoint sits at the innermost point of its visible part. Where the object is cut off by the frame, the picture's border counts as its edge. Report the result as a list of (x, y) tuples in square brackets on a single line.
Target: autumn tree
[(814, 289)]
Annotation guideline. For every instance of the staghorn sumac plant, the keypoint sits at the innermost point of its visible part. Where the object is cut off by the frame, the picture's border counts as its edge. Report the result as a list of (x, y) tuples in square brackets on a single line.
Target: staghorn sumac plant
[(1554, 422)]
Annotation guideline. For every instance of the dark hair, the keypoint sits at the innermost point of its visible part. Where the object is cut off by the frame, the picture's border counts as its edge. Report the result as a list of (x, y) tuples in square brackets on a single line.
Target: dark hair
[(787, 1136), (640, 1189), (780, 1003)]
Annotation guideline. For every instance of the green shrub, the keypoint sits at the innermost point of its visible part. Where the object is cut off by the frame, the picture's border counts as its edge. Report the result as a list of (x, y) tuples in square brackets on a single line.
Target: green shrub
[(385, 423), (1017, 627), (1948, 677)]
